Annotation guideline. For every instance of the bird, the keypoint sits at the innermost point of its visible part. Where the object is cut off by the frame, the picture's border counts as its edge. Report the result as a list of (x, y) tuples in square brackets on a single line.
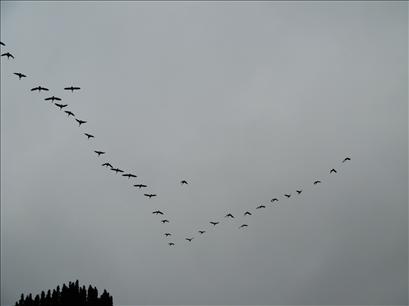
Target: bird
[(61, 106), (189, 239), (229, 215), (333, 171), (247, 213), (69, 113), (129, 175), (201, 232), (80, 122), (299, 191), (165, 221), (316, 182), (214, 223), (52, 99), (167, 234), (261, 206), (287, 195), (107, 165), (149, 195), (89, 135), (20, 75), (347, 158), (99, 153), (8, 54), (39, 88), (72, 88), (274, 200), (140, 186), (243, 225), (183, 182), (157, 212), (2, 43), (171, 243), (116, 170)]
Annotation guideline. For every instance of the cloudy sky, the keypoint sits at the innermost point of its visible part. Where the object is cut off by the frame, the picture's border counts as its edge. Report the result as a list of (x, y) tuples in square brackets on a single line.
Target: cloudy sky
[(246, 101)]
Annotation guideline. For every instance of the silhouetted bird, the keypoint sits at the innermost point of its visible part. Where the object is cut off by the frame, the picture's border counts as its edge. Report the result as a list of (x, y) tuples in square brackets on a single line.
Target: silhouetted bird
[(52, 99), (333, 171), (89, 135), (167, 234), (261, 206), (347, 158), (247, 213), (229, 216), (116, 170), (69, 113), (189, 239), (80, 122), (299, 191), (1, 43), (214, 223), (61, 106), (202, 232), (157, 212), (99, 153), (72, 88), (20, 75), (165, 221), (317, 182), (171, 243), (129, 175), (140, 186), (8, 54), (149, 195), (39, 88), (288, 195), (243, 225), (274, 200), (107, 165), (183, 182)]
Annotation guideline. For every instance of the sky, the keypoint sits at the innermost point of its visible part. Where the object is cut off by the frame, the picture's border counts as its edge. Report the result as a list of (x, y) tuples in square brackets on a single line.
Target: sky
[(246, 101)]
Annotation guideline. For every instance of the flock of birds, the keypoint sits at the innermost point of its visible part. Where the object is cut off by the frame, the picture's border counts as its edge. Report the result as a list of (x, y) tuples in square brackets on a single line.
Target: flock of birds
[(108, 165)]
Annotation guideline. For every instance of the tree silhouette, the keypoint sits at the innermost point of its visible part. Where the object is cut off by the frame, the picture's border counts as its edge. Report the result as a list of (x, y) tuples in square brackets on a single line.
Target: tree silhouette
[(69, 295)]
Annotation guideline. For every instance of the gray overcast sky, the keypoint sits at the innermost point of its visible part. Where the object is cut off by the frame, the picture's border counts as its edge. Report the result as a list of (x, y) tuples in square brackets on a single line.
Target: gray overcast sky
[(246, 101)]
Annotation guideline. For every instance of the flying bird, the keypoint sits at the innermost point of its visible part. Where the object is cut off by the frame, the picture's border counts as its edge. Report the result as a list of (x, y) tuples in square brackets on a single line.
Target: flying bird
[(347, 158), (316, 182), (140, 186), (1, 43), (167, 234), (107, 165), (99, 153), (274, 200), (183, 182), (333, 171), (171, 243), (129, 175), (214, 223), (229, 216), (89, 135), (80, 122), (288, 195), (52, 99), (189, 239), (61, 106), (202, 232), (243, 225), (247, 213), (116, 170), (165, 221), (20, 75), (8, 54), (261, 206), (299, 191), (149, 195), (69, 113), (157, 212), (72, 88), (39, 88)]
